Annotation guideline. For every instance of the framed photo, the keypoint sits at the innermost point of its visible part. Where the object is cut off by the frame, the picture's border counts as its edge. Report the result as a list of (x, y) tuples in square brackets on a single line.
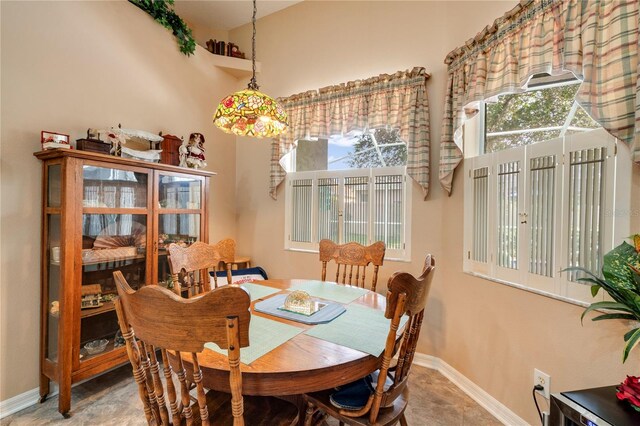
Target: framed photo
[(52, 140)]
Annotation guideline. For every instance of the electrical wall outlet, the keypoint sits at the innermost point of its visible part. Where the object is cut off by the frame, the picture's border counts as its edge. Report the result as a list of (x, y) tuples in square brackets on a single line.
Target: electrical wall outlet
[(544, 380)]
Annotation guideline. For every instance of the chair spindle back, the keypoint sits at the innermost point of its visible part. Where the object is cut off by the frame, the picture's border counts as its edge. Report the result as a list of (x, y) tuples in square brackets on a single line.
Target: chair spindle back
[(155, 319), (352, 256), (196, 260), (406, 294)]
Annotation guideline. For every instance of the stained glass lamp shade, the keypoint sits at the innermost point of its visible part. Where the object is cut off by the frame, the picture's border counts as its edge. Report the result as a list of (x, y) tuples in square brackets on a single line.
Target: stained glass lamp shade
[(250, 112)]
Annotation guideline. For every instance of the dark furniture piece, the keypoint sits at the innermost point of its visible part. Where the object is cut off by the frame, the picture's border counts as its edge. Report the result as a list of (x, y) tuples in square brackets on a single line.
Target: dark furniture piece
[(103, 213), (591, 407)]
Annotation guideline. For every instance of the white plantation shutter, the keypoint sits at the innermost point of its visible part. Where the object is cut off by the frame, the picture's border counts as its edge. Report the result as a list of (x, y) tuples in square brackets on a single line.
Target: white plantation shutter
[(541, 217), (550, 206), (508, 213), (328, 208), (356, 210), (479, 252), (364, 206), (388, 213), (586, 194)]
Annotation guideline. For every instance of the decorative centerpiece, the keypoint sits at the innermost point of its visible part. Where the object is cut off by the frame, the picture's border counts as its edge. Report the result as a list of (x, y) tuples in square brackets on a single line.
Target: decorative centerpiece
[(96, 346), (51, 140), (301, 303), (91, 296)]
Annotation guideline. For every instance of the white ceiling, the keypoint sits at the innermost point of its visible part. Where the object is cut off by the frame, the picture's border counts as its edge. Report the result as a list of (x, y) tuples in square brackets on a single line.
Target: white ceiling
[(226, 14)]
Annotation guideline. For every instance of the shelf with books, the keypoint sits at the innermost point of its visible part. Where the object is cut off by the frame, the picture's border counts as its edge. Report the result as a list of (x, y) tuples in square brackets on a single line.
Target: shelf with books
[(237, 67)]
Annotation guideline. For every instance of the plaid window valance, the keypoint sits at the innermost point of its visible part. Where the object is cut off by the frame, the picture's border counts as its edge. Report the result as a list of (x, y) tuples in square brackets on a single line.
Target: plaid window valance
[(398, 101), (596, 40)]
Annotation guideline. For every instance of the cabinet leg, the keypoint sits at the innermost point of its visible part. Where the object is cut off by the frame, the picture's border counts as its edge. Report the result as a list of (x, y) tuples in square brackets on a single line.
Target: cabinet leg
[(44, 388), (64, 398)]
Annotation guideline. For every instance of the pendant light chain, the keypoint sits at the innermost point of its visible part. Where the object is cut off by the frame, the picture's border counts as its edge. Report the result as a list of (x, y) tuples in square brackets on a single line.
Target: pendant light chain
[(250, 112), (253, 85)]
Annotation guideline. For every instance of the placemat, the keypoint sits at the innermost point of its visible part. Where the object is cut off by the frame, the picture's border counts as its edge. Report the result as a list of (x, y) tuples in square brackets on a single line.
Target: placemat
[(264, 336), (360, 328), (330, 291), (324, 315), (257, 291)]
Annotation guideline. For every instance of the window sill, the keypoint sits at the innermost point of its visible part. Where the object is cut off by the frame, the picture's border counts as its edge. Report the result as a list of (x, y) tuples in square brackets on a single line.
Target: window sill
[(390, 259), (529, 289)]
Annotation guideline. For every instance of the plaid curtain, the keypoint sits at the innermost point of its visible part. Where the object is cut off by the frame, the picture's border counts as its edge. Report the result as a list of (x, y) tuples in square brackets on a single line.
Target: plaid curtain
[(596, 40), (398, 101)]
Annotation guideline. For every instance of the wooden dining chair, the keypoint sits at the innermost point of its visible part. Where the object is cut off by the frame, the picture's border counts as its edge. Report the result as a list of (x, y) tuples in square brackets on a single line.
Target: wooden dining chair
[(194, 263), (350, 255), (153, 319), (406, 295)]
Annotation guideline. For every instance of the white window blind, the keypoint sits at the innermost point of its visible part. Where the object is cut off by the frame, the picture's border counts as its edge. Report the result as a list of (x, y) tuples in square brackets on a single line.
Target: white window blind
[(542, 205), (508, 194), (480, 214), (301, 204), (586, 184)]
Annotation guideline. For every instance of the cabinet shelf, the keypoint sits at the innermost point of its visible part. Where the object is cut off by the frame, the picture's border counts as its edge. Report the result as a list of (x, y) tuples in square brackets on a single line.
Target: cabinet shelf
[(115, 260), (89, 312)]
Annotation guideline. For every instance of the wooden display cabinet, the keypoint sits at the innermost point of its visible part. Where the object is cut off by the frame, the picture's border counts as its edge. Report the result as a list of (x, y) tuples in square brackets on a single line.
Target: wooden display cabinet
[(101, 214)]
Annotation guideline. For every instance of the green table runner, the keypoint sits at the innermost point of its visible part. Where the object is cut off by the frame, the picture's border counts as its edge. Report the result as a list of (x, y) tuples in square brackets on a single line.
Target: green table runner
[(258, 291), (330, 291), (360, 328), (264, 336)]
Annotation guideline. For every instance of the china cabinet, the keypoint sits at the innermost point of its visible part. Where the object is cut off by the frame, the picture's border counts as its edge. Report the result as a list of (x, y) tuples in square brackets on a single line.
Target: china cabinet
[(100, 214)]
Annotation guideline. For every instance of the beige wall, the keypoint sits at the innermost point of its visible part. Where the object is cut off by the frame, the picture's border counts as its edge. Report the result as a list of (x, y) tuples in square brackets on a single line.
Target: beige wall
[(493, 334), (67, 66)]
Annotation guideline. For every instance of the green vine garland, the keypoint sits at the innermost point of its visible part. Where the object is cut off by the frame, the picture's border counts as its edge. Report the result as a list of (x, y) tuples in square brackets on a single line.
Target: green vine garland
[(162, 11)]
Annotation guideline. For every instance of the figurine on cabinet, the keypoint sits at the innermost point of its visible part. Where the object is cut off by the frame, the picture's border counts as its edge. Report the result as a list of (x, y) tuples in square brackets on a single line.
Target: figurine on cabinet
[(195, 151), (183, 152)]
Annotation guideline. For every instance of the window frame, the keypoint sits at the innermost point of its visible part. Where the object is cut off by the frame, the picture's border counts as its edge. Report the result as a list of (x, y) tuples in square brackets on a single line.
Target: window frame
[(403, 254)]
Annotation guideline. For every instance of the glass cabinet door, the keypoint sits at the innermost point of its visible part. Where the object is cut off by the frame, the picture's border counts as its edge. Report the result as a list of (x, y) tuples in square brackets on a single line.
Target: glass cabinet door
[(180, 210), (53, 262), (114, 228)]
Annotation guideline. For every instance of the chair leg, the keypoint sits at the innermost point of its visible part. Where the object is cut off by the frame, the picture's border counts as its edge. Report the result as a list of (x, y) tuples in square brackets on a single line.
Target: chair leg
[(308, 420), (403, 420)]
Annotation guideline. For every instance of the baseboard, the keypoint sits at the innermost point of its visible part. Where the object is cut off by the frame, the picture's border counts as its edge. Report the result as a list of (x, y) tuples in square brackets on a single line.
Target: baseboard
[(22, 401), (475, 392)]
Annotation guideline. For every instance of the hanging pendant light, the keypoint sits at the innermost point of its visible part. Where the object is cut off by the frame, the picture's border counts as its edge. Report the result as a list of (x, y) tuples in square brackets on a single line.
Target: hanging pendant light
[(250, 112)]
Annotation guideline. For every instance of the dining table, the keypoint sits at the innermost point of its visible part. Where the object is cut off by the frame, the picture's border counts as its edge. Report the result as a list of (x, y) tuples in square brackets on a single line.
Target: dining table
[(294, 358)]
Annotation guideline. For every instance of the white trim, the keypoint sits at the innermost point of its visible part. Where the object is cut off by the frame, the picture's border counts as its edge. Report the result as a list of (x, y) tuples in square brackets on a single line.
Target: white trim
[(475, 392), (24, 400)]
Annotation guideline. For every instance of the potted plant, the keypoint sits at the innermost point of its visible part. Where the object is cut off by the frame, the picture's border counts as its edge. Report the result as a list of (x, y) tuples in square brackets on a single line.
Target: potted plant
[(621, 280)]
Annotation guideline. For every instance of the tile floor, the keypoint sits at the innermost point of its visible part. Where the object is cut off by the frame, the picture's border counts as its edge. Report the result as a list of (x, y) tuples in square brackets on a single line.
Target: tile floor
[(112, 399)]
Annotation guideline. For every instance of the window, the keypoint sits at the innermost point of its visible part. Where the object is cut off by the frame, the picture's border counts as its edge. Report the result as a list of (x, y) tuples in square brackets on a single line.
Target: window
[(351, 188), (542, 195)]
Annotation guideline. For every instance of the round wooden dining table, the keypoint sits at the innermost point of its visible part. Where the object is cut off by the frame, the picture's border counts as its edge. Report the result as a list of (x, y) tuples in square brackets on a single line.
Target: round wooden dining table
[(302, 364)]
